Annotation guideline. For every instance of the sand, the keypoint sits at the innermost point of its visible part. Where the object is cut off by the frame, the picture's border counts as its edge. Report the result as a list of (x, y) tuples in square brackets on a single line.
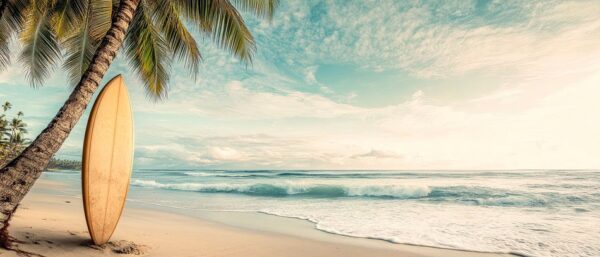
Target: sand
[(54, 225)]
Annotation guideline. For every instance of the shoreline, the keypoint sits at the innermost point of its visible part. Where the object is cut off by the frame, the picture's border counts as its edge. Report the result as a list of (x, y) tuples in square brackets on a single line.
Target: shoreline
[(54, 225), (397, 243), (312, 226)]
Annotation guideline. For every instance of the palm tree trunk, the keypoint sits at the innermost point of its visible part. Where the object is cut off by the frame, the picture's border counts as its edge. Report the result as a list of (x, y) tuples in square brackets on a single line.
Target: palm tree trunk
[(17, 177)]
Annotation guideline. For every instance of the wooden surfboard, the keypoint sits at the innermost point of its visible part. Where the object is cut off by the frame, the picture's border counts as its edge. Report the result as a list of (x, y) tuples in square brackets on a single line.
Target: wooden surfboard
[(107, 160)]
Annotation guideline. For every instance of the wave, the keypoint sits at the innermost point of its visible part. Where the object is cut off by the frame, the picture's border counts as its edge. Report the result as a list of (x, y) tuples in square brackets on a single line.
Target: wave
[(468, 195), (295, 189), (488, 196), (341, 174), (264, 174), (225, 175)]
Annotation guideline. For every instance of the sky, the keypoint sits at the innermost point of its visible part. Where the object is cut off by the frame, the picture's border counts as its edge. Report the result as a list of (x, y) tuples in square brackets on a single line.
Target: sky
[(371, 85)]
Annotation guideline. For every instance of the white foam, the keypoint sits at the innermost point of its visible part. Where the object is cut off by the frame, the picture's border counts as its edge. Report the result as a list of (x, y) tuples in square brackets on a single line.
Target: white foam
[(296, 188), (552, 214), (489, 229)]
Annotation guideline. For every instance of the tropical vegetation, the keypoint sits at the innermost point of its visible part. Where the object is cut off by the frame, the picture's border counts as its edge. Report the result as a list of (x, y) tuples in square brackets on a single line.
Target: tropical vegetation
[(85, 35), (13, 131), (62, 164)]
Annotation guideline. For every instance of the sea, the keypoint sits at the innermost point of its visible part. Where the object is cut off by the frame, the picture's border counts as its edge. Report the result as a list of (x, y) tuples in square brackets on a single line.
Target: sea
[(525, 212)]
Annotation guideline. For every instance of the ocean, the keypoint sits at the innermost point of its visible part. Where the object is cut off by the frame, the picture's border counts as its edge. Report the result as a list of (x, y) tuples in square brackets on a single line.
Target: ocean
[(528, 212)]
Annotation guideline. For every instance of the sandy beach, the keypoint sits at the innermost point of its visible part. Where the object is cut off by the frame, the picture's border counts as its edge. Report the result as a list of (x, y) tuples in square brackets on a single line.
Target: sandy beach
[(54, 225)]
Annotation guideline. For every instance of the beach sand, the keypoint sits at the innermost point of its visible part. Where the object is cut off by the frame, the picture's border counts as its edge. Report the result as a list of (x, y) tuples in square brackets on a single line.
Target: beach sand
[(54, 225)]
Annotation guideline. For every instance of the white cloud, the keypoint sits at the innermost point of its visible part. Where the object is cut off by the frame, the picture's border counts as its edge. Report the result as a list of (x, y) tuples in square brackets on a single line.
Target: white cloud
[(277, 114), (243, 103), (310, 75), (436, 40), (226, 154), (377, 155), (509, 128)]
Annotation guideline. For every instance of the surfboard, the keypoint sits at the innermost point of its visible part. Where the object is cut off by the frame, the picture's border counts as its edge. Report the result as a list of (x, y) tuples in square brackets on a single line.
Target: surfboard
[(107, 160)]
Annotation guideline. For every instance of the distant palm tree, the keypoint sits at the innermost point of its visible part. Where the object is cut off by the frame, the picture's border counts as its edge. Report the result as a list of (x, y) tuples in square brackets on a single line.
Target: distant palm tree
[(92, 31), (16, 129), (6, 106), (12, 137), (3, 128), (19, 140), (4, 125)]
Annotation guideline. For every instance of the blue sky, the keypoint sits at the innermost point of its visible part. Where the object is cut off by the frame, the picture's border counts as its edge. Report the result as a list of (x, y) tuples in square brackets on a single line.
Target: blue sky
[(372, 85)]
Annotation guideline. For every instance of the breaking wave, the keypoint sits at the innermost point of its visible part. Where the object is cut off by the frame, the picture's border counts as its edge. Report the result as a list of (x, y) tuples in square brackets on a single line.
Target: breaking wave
[(295, 189), (467, 195)]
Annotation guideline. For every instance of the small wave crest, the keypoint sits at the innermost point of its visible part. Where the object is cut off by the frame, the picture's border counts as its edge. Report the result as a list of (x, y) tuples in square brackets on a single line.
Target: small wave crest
[(293, 189), (224, 175)]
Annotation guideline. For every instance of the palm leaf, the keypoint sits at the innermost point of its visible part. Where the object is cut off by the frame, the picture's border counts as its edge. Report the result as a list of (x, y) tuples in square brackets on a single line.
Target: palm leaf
[(179, 39), (12, 21), (40, 51), (261, 8), (223, 22), (15, 14), (4, 41), (147, 53), (80, 45), (80, 48), (67, 16), (100, 17)]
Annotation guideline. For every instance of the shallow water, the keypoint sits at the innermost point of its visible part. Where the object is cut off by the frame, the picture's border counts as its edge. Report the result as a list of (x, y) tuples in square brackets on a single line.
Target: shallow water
[(538, 213)]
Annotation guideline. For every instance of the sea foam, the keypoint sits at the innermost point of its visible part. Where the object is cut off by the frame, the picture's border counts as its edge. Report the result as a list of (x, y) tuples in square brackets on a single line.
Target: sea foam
[(296, 189), (533, 213)]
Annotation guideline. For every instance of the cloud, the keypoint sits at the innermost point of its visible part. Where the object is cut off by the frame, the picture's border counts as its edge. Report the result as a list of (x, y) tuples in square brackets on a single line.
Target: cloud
[(429, 39), (533, 66), (225, 154), (238, 101), (236, 151), (506, 129), (376, 155), (310, 75)]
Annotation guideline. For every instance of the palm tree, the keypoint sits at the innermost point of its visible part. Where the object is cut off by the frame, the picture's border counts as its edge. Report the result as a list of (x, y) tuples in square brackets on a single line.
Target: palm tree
[(16, 129), (6, 106), (3, 128), (15, 137), (12, 137), (91, 32)]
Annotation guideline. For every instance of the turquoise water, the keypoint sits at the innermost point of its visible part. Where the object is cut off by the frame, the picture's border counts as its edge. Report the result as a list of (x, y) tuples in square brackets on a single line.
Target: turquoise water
[(536, 213)]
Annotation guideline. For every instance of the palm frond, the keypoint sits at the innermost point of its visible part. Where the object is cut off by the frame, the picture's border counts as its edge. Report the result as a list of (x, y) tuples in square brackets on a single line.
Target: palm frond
[(5, 36), (223, 22), (15, 14), (67, 16), (11, 22), (80, 47), (147, 53), (100, 17), (80, 50), (179, 39), (261, 8), (41, 50)]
